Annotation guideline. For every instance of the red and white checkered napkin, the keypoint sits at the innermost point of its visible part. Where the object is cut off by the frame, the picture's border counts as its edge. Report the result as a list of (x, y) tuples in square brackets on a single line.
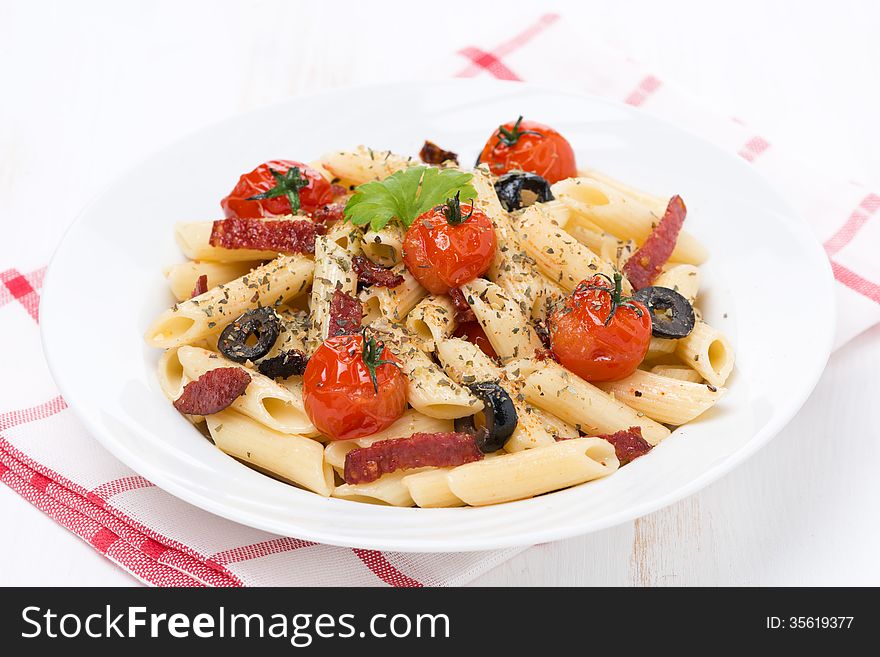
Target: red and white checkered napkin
[(46, 456)]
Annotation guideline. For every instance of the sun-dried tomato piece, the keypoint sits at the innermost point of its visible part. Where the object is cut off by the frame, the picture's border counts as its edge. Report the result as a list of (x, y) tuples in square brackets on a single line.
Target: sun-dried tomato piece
[(431, 153), (283, 236), (201, 286), (628, 444), (369, 273), (345, 314), (329, 213), (286, 364), (213, 391), (419, 450), (645, 264), (463, 312), (339, 190)]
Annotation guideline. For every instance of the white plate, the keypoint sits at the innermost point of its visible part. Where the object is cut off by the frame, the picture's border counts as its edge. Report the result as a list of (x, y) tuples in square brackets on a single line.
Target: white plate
[(768, 285)]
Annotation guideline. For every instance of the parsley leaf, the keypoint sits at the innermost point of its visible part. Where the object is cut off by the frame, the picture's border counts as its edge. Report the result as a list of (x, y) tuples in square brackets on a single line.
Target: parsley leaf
[(405, 195)]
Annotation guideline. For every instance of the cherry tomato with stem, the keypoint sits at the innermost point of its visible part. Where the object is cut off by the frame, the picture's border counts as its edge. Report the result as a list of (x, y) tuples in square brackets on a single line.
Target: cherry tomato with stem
[(276, 188), (599, 334), (529, 146), (449, 245), (353, 387)]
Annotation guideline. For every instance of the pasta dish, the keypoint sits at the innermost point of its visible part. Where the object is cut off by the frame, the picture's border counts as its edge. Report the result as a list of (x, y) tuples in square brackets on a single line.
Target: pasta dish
[(418, 332)]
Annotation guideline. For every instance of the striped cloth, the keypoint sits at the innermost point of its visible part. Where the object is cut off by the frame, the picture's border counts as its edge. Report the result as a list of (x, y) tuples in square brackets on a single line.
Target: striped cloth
[(48, 458)]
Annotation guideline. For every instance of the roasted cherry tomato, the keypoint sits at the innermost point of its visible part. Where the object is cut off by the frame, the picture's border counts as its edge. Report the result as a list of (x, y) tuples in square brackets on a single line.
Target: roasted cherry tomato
[(449, 246), (277, 187), (529, 146), (473, 332), (353, 387), (597, 333)]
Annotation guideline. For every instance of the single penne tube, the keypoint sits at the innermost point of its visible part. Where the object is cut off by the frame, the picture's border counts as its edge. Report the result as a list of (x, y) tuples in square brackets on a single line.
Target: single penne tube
[(591, 410), (532, 472), (465, 363), (387, 489), (592, 239), (432, 320), (429, 390), (384, 246), (505, 323), (616, 251), (347, 236), (270, 403), (333, 271), (647, 198), (684, 279), (277, 281), (680, 372), (194, 237), (708, 351), (396, 302), (557, 254), (620, 213), (511, 269), (429, 489), (668, 400), (183, 277), (363, 164), (369, 298), (291, 457), (406, 425)]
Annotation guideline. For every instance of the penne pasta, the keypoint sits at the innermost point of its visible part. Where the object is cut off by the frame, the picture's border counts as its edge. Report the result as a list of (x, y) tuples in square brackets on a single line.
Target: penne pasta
[(593, 411), (333, 271), (708, 351), (283, 279), (396, 302), (293, 458), (665, 399), (505, 323), (182, 277), (429, 389), (270, 403), (385, 246), (684, 279), (558, 255), (430, 489), (619, 211), (387, 489), (432, 320), (680, 372), (363, 164), (532, 472)]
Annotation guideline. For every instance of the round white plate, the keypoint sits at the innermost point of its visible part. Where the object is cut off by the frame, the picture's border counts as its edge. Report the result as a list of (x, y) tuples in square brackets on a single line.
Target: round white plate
[(763, 285)]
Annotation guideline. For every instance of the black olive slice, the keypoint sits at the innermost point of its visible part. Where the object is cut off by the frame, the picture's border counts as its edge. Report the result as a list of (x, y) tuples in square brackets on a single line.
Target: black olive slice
[(676, 319), (510, 186), (284, 365), (499, 413), (261, 324)]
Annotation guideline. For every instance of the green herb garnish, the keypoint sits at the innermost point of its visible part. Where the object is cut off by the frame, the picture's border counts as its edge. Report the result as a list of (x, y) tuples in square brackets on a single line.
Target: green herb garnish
[(405, 195), (286, 184), (510, 137), (372, 355), (452, 210), (617, 298)]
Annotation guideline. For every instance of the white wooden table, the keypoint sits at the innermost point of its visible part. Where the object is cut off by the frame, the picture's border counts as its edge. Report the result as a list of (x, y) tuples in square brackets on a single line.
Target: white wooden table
[(89, 88)]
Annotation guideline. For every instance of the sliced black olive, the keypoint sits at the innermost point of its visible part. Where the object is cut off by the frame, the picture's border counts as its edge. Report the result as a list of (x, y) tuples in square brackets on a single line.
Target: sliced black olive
[(510, 186), (499, 413), (284, 365), (260, 326), (671, 314)]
